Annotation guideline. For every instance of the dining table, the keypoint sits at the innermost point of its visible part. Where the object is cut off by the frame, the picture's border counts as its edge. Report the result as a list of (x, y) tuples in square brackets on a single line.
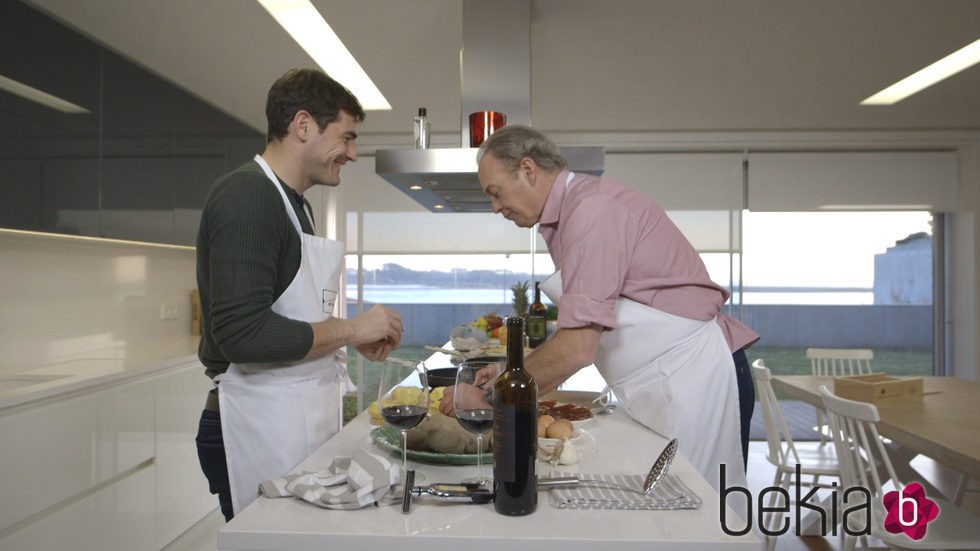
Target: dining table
[(944, 425), (609, 444)]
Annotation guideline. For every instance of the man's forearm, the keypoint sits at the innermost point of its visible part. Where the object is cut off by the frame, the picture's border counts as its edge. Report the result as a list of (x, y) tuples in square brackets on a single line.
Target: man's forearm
[(560, 357), (330, 335)]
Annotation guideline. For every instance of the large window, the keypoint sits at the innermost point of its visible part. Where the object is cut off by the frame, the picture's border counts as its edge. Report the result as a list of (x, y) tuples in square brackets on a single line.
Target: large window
[(840, 280), (819, 249)]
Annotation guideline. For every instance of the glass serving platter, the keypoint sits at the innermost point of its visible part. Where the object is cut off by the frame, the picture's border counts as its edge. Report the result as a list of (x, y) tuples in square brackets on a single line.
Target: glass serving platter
[(390, 438)]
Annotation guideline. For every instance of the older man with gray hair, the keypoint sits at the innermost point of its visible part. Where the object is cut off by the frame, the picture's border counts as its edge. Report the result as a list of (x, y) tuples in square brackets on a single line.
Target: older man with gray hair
[(634, 298)]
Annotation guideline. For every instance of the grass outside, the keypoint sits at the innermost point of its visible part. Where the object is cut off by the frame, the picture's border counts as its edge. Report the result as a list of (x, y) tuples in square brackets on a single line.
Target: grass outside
[(915, 362), (780, 360)]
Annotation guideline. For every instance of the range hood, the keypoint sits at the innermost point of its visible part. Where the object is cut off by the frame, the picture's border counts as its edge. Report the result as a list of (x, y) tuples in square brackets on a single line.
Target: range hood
[(495, 75)]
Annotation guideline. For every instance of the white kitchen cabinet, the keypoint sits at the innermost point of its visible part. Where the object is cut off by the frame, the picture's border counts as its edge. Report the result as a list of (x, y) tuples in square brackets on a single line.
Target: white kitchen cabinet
[(182, 496), (111, 467), (116, 518), (60, 449)]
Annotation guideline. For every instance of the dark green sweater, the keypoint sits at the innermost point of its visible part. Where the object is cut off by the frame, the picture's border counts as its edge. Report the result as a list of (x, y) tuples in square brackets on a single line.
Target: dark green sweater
[(247, 255)]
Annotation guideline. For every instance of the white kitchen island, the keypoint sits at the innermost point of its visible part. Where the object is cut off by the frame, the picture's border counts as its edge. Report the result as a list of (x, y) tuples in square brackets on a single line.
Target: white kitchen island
[(621, 447)]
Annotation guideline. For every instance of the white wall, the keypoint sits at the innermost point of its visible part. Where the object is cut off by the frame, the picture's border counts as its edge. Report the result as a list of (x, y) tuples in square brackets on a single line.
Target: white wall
[(65, 296)]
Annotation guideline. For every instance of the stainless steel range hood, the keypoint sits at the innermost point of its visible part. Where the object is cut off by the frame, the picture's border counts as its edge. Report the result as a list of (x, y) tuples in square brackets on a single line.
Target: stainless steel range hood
[(495, 74), (444, 180)]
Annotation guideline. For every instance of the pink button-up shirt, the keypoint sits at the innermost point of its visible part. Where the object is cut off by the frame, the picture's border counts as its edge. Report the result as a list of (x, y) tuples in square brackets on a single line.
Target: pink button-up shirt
[(611, 241)]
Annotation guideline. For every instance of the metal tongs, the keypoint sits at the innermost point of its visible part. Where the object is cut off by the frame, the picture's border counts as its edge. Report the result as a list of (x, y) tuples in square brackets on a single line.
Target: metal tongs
[(656, 475), (463, 492)]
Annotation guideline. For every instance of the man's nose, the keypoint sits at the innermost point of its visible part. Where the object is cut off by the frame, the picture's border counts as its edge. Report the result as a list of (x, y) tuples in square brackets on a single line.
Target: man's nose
[(495, 205), (352, 152)]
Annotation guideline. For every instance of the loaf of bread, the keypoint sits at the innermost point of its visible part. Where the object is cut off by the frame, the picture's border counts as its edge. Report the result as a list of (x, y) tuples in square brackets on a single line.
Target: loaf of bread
[(442, 434)]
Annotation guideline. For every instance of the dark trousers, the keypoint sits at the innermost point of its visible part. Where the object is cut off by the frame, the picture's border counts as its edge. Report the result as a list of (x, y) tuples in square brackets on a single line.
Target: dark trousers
[(746, 399), (211, 454)]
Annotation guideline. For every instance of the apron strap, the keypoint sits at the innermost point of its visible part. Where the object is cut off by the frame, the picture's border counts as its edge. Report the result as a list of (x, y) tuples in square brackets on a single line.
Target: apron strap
[(285, 200)]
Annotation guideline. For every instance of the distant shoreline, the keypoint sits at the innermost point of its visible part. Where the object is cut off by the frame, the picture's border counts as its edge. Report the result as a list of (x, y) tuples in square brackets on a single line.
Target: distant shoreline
[(425, 294)]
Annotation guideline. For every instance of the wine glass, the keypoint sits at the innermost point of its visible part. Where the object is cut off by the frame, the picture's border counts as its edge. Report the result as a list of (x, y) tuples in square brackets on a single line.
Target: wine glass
[(471, 401), (403, 397)]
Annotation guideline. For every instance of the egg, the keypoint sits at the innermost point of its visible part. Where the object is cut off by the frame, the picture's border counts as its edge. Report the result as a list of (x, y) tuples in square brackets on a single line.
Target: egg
[(561, 428), (542, 427), (544, 421)]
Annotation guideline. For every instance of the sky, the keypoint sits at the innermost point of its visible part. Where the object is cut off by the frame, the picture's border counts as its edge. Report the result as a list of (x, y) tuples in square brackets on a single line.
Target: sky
[(834, 249)]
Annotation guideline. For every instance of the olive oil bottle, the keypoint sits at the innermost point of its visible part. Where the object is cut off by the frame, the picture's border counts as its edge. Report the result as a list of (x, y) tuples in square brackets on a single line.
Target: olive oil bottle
[(537, 320)]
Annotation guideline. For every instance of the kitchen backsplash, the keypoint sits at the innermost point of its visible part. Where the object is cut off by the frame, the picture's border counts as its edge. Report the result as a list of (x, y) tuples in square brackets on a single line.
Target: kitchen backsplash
[(66, 297)]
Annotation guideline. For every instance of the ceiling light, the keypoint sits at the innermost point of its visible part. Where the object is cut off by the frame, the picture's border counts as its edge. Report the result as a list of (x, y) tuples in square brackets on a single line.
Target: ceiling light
[(944, 68), (308, 28), (416, 187), (37, 96)]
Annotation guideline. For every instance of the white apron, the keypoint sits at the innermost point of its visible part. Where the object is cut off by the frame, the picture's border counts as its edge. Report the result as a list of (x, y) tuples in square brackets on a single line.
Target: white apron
[(275, 415), (675, 376)]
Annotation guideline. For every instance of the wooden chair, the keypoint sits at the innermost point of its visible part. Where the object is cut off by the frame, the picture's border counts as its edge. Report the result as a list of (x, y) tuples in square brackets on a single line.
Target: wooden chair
[(837, 362), (865, 463), (815, 461)]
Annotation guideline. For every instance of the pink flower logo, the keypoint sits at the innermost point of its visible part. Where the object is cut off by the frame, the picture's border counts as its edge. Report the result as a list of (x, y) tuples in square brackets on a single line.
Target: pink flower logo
[(909, 511)]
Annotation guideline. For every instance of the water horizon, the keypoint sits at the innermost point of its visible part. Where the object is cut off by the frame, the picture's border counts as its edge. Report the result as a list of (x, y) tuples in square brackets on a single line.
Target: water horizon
[(424, 294)]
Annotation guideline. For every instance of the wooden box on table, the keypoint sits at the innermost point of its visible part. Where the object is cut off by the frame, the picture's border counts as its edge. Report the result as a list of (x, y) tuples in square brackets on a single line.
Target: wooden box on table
[(879, 389)]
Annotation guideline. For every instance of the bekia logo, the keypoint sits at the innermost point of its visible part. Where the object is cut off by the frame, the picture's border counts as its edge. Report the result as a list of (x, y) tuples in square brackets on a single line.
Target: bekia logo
[(908, 510)]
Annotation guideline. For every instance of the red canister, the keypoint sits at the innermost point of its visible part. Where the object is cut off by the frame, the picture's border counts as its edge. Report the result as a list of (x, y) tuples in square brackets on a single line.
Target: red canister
[(484, 123)]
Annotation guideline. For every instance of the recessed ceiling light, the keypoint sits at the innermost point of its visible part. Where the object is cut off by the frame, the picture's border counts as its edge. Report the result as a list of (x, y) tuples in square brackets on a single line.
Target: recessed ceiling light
[(439, 206), (924, 78), (37, 96), (414, 187), (308, 28)]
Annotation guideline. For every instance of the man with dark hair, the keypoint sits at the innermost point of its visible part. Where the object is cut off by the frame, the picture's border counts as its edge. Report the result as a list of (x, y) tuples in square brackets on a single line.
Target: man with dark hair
[(268, 287), (634, 298)]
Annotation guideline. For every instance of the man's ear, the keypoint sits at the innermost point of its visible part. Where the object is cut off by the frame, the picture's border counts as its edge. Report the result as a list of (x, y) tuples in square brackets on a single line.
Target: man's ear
[(529, 169), (301, 124)]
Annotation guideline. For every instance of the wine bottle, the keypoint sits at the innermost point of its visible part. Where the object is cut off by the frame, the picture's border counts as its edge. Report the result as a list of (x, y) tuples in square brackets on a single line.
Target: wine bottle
[(537, 320), (515, 430)]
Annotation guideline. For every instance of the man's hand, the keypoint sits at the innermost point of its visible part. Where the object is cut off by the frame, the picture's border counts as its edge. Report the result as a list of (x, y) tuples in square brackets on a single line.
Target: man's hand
[(374, 333), (465, 396), (471, 396), (376, 351), (379, 324)]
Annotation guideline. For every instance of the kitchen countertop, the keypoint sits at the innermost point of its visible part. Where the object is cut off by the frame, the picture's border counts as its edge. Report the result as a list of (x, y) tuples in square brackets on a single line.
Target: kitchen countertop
[(621, 446), (67, 374)]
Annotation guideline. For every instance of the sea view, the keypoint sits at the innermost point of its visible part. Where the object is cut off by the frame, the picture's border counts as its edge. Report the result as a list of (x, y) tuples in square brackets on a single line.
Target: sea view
[(423, 294)]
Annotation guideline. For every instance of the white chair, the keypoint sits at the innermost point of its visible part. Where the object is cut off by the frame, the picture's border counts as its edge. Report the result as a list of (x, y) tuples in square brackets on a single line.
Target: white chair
[(837, 362), (859, 448), (815, 461)]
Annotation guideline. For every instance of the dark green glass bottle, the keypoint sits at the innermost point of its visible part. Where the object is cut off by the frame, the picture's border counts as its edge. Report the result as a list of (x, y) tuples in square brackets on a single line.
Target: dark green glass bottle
[(537, 320), (515, 430)]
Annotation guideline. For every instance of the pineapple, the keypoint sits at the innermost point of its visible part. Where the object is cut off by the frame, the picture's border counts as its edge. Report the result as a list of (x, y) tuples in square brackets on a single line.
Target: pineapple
[(520, 298)]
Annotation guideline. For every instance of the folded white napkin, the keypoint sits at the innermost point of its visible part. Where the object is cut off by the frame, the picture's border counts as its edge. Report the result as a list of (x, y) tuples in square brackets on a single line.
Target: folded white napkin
[(348, 483), (670, 494)]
